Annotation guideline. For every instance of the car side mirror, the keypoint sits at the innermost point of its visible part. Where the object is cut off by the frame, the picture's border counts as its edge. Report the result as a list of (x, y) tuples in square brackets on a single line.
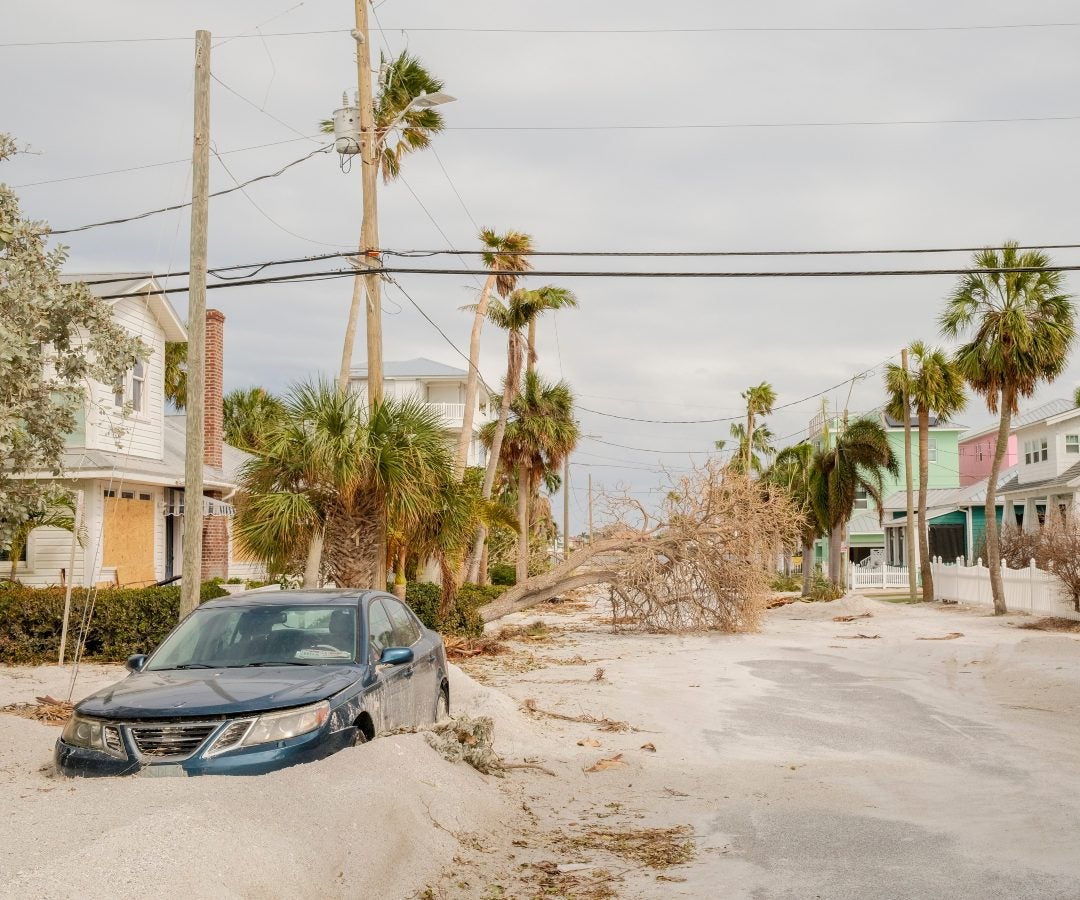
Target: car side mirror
[(396, 656), (135, 663)]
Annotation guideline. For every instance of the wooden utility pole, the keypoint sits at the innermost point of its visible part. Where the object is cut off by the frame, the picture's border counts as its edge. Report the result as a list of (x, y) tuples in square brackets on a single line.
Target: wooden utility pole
[(369, 229), (566, 507), (191, 571), (590, 507), (909, 530)]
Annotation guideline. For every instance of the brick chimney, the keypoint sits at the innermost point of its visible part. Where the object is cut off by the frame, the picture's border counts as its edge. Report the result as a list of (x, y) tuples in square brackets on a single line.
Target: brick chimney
[(215, 555)]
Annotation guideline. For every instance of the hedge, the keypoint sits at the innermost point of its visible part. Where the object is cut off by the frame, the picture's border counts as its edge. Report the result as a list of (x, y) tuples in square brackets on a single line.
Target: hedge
[(125, 621), (464, 619), (503, 573)]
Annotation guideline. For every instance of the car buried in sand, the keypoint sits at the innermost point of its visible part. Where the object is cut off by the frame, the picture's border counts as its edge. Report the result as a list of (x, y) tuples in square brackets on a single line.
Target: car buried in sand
[(261, 681)]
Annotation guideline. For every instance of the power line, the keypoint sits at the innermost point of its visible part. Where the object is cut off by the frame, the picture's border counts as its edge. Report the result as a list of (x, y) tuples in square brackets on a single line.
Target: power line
[(722, 29), (651, 449), (238, 187), (843, 273), (262, 109)]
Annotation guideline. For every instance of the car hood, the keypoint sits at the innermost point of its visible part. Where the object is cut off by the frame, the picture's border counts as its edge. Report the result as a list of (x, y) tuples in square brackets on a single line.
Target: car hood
[(217, 692)]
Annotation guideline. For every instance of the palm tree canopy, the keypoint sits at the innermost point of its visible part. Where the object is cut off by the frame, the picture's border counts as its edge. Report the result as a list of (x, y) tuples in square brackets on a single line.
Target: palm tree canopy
[(793, 471), (858, 459), (176, 373), (524, 305), (760, 399), (932, 382), (1021, 323), (506, 253), (761, 446), (248, 415)]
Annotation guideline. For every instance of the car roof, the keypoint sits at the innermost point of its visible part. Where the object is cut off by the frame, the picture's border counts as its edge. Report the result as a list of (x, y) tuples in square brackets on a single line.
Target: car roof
[(330, 597)]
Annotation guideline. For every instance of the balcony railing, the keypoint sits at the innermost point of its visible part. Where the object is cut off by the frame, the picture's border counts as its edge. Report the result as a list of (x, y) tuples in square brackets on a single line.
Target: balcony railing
[(454, 413)]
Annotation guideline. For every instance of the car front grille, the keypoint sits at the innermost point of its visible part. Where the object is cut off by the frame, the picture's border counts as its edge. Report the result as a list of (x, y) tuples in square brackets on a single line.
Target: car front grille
[(179, 739)]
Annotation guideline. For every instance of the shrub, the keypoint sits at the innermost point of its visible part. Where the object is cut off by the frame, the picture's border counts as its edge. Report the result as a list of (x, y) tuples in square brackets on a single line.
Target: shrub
[(787, 583), (124, 621), (464, 618), (822, 589), (502, 574)]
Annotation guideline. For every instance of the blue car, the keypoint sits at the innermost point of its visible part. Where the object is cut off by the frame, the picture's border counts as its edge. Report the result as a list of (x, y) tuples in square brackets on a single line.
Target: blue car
[(261, 681)]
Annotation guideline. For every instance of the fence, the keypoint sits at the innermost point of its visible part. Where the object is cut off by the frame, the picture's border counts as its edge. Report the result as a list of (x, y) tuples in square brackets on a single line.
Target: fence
[(1029, 590), (880, 577)]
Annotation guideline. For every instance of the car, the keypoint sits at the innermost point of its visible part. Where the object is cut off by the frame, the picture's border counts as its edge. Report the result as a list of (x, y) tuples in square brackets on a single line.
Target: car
[(260, 681)]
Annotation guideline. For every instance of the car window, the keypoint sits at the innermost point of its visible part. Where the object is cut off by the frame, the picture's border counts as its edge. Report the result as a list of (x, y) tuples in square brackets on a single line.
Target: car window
[(380, 630), (406, 633)]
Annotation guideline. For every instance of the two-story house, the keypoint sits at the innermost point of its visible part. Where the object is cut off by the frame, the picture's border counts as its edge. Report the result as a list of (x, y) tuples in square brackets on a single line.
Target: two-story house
[(977, 447), (440, 386), (125, 461)]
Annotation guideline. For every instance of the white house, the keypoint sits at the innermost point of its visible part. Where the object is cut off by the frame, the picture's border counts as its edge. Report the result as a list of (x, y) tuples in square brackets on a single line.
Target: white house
[(440, 386), (1047, 469), (126, 461)]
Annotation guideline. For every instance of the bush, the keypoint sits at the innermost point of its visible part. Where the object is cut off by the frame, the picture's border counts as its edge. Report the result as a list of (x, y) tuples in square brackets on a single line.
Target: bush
[(464, 618), (787, 583), (503, 574), (822, 589), (124, 621)]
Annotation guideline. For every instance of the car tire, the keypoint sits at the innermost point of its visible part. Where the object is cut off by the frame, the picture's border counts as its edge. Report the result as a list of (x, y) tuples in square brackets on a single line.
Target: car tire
[(442, 705)]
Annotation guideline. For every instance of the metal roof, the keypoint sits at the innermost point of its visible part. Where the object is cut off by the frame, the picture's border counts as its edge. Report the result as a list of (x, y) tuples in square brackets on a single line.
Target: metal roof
[(421, 367), (1069, 475), (931, 514), (969, 495), (1028, 417)]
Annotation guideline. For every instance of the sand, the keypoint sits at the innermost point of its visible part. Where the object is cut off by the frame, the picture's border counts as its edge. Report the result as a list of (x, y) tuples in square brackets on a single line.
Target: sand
[(806, 762)]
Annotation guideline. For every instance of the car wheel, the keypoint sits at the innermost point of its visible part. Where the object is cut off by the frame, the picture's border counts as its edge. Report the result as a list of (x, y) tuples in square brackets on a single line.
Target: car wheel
[(442, 707)]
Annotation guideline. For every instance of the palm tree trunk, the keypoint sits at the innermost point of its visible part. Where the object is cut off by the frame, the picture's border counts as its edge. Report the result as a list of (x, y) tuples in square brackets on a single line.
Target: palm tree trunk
[(749, 439), (472, 382), (835, 554), (352, 544), (530, 360), (993, 547), (522, 568), (807, 566), (400, 584), (314, 560), (924, 526)]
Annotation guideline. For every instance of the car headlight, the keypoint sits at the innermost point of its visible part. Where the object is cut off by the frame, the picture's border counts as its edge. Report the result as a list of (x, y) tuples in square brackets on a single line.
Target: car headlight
[(271, 727), (91, 734)]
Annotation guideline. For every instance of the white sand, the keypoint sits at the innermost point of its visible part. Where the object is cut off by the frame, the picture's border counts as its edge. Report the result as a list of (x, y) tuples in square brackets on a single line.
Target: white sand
[(807, 763)]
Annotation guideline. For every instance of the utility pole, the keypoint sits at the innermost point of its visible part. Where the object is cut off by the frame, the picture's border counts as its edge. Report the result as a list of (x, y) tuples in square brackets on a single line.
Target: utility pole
[(909, 530), (590, 507), (191, 571), (566, 507), (369, 228)]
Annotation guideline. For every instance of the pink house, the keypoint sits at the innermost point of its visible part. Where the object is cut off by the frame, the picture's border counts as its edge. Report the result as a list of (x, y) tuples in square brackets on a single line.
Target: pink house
[(977, 448)]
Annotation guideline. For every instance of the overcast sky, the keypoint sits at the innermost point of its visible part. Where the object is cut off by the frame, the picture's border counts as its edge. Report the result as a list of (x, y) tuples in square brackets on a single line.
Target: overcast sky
[(660, 349)]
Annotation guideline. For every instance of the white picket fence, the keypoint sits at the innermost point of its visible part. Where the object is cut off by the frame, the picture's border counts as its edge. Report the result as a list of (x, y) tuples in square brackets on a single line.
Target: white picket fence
[(878, 578), (1029, 590)]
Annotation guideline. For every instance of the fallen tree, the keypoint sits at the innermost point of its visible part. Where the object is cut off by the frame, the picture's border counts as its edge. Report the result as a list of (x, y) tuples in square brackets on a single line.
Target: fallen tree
[(702, 562)]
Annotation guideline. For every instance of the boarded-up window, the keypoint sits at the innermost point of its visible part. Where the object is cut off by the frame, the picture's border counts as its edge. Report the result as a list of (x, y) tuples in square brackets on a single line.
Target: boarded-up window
[(129, 540)]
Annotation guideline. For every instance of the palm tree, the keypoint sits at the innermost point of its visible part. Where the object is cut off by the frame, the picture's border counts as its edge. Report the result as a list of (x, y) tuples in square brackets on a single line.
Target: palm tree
[(548, 297), (248, 415), (55, 512), (793, 470), (761, 450), (932, 385), (1076, 397), (176, 373), (507, 255), (403, 80), (537, 440), (760, 400), (855, 461), (522, 308), (1022, 328), (336, 469)]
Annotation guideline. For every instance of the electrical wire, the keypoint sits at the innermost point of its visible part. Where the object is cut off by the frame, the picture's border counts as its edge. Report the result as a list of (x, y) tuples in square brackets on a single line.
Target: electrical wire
[(261, 109), (164, 209), (828, 273)]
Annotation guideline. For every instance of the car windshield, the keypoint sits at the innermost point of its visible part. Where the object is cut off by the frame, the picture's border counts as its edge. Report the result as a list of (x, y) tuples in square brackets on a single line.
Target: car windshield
[(279, 635)]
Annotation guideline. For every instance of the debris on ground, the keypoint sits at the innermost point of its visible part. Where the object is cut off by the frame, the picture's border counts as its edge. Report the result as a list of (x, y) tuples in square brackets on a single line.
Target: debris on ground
[(598, 675), (588, 742), (864, 615), (1052, 623), (469, 740), (46, 709), (951, 636), (460, 647), (605, 724), (780, 600), (865, 637), (656, 848), (608, 762), (536, 632), (650, 747), (549, 879)]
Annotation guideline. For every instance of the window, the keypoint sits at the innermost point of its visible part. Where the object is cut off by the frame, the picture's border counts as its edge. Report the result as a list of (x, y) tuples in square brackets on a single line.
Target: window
[(1043, 449), (1072, 443), (118, 392), (138, 385), (861, 501), (406, 631), (979, 452), (5, 554), (931, 450), (380, 631)]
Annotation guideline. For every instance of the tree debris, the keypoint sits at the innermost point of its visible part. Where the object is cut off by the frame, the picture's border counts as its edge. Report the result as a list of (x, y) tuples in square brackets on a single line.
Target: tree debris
[(864, 615), (951, 636), (865, 637), (469, 740), (656, 848), (529, 705), (608, 762), (47, 709)]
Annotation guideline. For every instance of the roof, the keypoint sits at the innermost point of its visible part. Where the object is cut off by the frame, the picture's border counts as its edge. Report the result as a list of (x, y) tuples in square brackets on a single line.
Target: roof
[(866, 522), (1065, 478), (420, 367), (328, 597), (969, 495), (931, 514), (1028, 417), (133, 283)]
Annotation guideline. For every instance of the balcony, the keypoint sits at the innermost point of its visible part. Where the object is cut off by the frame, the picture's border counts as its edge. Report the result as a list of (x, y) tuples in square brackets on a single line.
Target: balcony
[(453, 414)]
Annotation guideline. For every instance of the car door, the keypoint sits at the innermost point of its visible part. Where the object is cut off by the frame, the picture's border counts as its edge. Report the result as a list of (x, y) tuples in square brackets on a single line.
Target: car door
[(395, 681), (407, 633)]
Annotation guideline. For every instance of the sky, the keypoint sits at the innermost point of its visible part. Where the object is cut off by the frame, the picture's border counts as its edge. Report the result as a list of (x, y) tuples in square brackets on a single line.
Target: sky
[(664, 349)]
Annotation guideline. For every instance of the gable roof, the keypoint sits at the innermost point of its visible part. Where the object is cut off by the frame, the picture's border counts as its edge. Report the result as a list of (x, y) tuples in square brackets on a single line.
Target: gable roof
[(1066, 478), (969, 495), (421, 367), (107, 284), (1028, 417)]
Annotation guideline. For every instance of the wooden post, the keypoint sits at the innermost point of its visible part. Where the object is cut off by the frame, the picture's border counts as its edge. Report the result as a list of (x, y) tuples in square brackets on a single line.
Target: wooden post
[(910, 527), (191, 571), (566, 508), (70, 575)]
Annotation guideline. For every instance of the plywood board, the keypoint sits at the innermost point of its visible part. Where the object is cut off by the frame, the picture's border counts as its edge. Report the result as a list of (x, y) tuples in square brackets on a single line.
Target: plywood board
[(129, 540)]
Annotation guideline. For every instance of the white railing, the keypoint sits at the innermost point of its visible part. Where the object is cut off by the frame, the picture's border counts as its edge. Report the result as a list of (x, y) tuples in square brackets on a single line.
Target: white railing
[(452, 411), (880, 578), (1028, 590)]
